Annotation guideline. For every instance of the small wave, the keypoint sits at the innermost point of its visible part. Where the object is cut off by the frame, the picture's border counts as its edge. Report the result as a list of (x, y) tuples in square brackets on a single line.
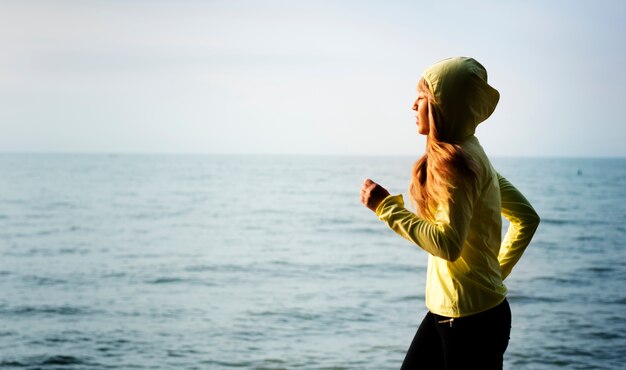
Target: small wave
[(167, 280), (600, 270), (139, 255), (157, 215), (551, 221), (563, 221), (17, 202), (227, 363), (47, 252), (602, 335), (114, 275), (12, 363), (362, 230), (44, 281), (347, 230), (570, 351), (36, 310), (177, 280), (200, 268), (264, 313), (221, 268), (274, 361), (36, 233), (589, 238), (61, 360), (409, 298), (43, 361), (563, 280), (530, 299), (284, 316), (274, 364), (621, 300), (60, 205), (48, 232), (73, 251), (335, 221), (374, 268), (111, 345)]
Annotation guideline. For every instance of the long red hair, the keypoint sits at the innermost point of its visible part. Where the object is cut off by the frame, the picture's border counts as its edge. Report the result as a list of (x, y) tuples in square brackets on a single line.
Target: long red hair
[(444, 165)]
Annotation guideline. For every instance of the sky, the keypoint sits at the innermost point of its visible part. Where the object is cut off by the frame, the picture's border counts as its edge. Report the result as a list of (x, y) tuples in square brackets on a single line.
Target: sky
[(303, 77)]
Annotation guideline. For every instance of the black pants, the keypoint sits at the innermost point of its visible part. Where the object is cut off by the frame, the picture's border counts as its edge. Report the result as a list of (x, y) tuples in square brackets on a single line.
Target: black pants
[(472, 342)]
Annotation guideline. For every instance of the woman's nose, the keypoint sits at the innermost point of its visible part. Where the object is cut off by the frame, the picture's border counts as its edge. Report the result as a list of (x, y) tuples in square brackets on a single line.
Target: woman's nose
[(414, 105)]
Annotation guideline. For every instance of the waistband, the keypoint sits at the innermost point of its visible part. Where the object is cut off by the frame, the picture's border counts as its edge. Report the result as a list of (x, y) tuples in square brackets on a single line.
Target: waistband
[(500, 308)]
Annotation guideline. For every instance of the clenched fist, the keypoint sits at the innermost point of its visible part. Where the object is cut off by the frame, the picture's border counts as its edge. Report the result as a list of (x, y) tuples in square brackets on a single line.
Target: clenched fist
[(372, 194)]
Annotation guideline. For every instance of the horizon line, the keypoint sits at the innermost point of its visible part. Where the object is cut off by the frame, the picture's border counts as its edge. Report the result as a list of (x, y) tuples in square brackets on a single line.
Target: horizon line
[(149, 153)]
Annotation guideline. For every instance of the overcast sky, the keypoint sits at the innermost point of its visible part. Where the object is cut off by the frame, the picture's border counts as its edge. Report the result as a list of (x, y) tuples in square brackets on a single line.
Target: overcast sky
[(303, 77)]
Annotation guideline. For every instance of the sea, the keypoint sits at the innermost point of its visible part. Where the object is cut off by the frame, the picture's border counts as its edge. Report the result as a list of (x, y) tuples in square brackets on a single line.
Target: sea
[(267, 262)]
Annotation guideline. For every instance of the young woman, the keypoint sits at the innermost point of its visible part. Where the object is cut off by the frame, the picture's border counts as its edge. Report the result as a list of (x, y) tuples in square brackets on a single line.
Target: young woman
[(459, 198)]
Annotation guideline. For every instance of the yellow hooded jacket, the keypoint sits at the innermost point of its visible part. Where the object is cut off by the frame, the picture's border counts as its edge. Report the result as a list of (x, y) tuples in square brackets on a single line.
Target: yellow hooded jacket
[(468, 260)]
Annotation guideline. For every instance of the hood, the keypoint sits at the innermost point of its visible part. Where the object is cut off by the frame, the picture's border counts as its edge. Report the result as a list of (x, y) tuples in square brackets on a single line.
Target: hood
[(460, 86)]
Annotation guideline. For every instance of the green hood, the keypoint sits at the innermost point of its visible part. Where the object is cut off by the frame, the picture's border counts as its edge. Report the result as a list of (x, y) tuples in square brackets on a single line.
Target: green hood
[(460, 86)]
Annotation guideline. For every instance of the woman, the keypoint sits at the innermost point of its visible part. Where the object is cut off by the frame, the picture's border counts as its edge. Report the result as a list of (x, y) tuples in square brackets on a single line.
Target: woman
[(459, 199)]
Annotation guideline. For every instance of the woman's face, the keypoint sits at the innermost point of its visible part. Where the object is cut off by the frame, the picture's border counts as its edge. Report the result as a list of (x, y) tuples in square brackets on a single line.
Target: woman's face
[(421, 113)]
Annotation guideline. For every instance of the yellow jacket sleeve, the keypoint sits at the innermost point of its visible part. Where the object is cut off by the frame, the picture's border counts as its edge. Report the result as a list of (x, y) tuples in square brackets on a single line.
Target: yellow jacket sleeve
[(444, 237), (523, 223)]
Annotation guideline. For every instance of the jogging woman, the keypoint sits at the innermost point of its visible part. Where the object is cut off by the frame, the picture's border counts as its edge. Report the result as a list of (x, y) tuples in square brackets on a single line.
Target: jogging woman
[(459, 198)]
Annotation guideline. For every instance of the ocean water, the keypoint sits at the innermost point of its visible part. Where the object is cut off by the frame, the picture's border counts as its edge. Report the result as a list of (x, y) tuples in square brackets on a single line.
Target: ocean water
[(271, 262)]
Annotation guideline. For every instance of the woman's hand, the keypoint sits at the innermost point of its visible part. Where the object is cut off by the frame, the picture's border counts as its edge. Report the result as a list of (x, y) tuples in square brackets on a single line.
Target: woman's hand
[(372, 194)]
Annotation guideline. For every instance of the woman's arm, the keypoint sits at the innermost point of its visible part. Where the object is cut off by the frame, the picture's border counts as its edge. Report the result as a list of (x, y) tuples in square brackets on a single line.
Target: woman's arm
[(444, 237), (523, 223)]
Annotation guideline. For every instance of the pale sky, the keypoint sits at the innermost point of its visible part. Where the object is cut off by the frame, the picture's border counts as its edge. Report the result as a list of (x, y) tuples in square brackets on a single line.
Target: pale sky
[(303, 77)]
